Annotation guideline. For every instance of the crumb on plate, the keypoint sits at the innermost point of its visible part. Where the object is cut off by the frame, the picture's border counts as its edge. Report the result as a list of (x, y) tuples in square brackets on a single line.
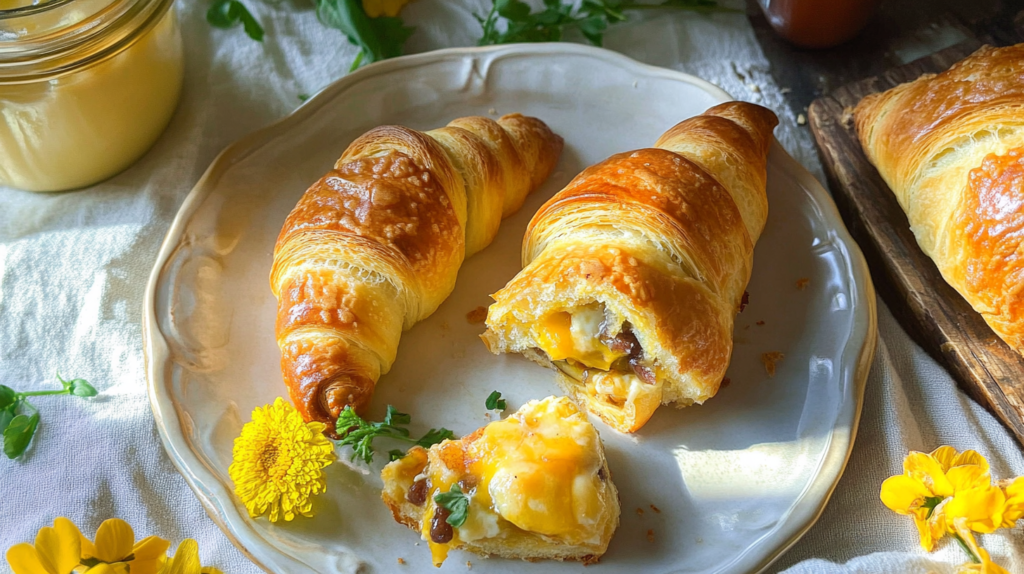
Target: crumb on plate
[(802, 283), (759, 323), (401, 560), (655, 508), (770, 359), (744, 301), (725, 383), (477, 316), (650, 535), (640, 511)]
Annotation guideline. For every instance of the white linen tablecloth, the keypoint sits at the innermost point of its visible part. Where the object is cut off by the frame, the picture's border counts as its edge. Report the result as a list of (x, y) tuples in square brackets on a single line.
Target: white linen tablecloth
[(73, 267)]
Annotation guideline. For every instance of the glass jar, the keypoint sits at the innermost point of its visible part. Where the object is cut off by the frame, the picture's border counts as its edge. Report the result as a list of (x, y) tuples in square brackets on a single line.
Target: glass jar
[(86, 87), (818, 23)]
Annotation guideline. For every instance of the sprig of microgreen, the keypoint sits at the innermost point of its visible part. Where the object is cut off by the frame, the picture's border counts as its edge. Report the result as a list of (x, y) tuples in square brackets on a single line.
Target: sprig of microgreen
[(229, 13), (359, 433), (457, 504), (19, 419), (590, 17)]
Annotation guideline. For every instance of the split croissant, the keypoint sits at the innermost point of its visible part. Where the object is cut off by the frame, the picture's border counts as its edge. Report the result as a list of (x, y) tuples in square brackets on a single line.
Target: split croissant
[(635, 271), (951, 147), (376, 244)]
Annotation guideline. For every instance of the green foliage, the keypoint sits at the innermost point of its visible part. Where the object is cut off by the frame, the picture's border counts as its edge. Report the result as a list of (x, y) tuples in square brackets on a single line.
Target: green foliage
[(495, 402), (19, 419), (457, 504), (591, 18), (359, 433), (376, 38), (229, 13)]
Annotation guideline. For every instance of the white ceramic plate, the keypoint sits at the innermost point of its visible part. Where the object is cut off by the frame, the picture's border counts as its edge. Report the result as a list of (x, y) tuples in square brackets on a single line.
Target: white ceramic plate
[(737, 480)]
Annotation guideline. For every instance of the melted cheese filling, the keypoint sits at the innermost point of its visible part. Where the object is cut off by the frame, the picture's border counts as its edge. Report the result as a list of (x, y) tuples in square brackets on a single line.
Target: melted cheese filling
[(573, 341), (537, 469)]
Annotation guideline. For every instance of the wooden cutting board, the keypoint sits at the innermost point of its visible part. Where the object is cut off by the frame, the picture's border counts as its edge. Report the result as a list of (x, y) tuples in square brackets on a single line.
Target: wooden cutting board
[(934, 314)]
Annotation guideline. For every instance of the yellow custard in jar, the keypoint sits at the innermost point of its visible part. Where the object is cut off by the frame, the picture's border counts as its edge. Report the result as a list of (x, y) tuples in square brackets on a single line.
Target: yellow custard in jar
[(86, 88)]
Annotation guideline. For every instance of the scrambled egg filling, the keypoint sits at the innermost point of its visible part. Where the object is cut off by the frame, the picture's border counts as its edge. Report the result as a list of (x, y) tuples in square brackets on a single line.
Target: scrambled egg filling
[(538, 470), (572, 340)]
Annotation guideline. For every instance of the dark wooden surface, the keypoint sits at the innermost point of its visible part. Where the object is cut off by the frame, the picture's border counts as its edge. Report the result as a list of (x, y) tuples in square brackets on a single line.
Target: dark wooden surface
[(936, 315)]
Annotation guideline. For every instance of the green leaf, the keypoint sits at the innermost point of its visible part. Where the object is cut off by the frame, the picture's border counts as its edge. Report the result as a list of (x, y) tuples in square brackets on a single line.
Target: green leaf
[(377, 38), (593, 29), (18, 434), (82, 388), (395, 454), (303, 97), (393, 417), (228, 13), (435, 436), (495, 402), (514, 10), (457, 504), (7, 396), (6, 416)]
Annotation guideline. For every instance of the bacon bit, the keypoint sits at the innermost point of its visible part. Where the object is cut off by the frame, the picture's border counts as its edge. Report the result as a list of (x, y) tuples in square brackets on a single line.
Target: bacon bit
[(655, 508), (759, 323), (744, 301), (650, 535), (477, 316), (469, 565), (640, 511), (725, 383), (802, 283), (770, 359), (401, 560)]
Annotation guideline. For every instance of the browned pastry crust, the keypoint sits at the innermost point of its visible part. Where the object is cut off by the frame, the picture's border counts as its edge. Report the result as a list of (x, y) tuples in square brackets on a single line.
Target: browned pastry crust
[(662, 239), (950, 147), (375, 245)]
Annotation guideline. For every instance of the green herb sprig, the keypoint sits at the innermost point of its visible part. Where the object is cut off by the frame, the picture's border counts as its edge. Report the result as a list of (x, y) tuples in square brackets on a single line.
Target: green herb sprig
[(359, 433), (377, 38), (19, 419), (457, 504), (591, 18), (228, 13), (494, 402)]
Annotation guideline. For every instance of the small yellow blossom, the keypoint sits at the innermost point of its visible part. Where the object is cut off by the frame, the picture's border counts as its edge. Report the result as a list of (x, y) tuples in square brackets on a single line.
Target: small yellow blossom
[(377, 8), (1014, 508), (115, 545), (57, 550), (942, 486), (186, 560), (278, 462)]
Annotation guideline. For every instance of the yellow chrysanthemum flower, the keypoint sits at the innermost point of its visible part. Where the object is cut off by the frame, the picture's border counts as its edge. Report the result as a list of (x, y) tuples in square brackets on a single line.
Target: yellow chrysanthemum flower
[(57, 550), (377, 8), (186, 560), (942, 486), (278, 462), (1014, 508), (115, 547)]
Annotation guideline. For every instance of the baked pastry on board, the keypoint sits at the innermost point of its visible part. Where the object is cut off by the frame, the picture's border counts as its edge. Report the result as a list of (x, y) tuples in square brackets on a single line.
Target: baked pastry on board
[(951, 148), (634, 272), (537, 483), (375, 245)]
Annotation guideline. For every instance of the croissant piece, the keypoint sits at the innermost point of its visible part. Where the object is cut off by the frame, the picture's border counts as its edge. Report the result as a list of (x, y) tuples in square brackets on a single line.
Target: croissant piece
[(951, 148), (375, 246), (634, 272)]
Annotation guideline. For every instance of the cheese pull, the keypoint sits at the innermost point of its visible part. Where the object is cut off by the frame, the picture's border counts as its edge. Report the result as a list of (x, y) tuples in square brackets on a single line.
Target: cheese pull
[(537, 485)]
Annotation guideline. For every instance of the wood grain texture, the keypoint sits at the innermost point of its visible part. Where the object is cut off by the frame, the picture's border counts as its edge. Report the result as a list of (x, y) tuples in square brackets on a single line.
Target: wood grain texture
[(932, 311)]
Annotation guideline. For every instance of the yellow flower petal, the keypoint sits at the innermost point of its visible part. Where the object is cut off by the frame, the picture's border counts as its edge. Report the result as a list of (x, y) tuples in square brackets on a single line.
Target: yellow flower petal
[(944, 455), (186, 559), (929, 471), (70, 552), (378, 8), (1014, 508), (23, 559), (114, 540), (970, 457), (106, 569), (981, 509), (925, 532), (903, 494), (967, 477)]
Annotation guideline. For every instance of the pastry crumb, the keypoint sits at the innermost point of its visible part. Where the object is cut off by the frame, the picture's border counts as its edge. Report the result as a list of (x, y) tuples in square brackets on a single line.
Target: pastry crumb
[(759, 323), (744, 301), (640, 511), (634, 83), (785, 91), (492, 111), (445, 326), (469, 565), (801, 119), (770, 359), (401, 560), (477, 316), (725, 383), (487, 414), (802, 283), (700, 541), (655, 508), (650, 535)]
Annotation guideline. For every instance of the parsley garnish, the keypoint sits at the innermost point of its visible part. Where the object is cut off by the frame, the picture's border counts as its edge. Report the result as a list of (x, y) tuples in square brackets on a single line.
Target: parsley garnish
[(591, 18), (495, 402), (359, 433), (228, 13), (456, 503)]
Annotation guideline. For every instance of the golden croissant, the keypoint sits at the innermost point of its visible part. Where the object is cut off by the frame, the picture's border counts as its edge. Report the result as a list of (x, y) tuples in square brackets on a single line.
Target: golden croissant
[(951, 148), (634, 272), (375, 245)]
